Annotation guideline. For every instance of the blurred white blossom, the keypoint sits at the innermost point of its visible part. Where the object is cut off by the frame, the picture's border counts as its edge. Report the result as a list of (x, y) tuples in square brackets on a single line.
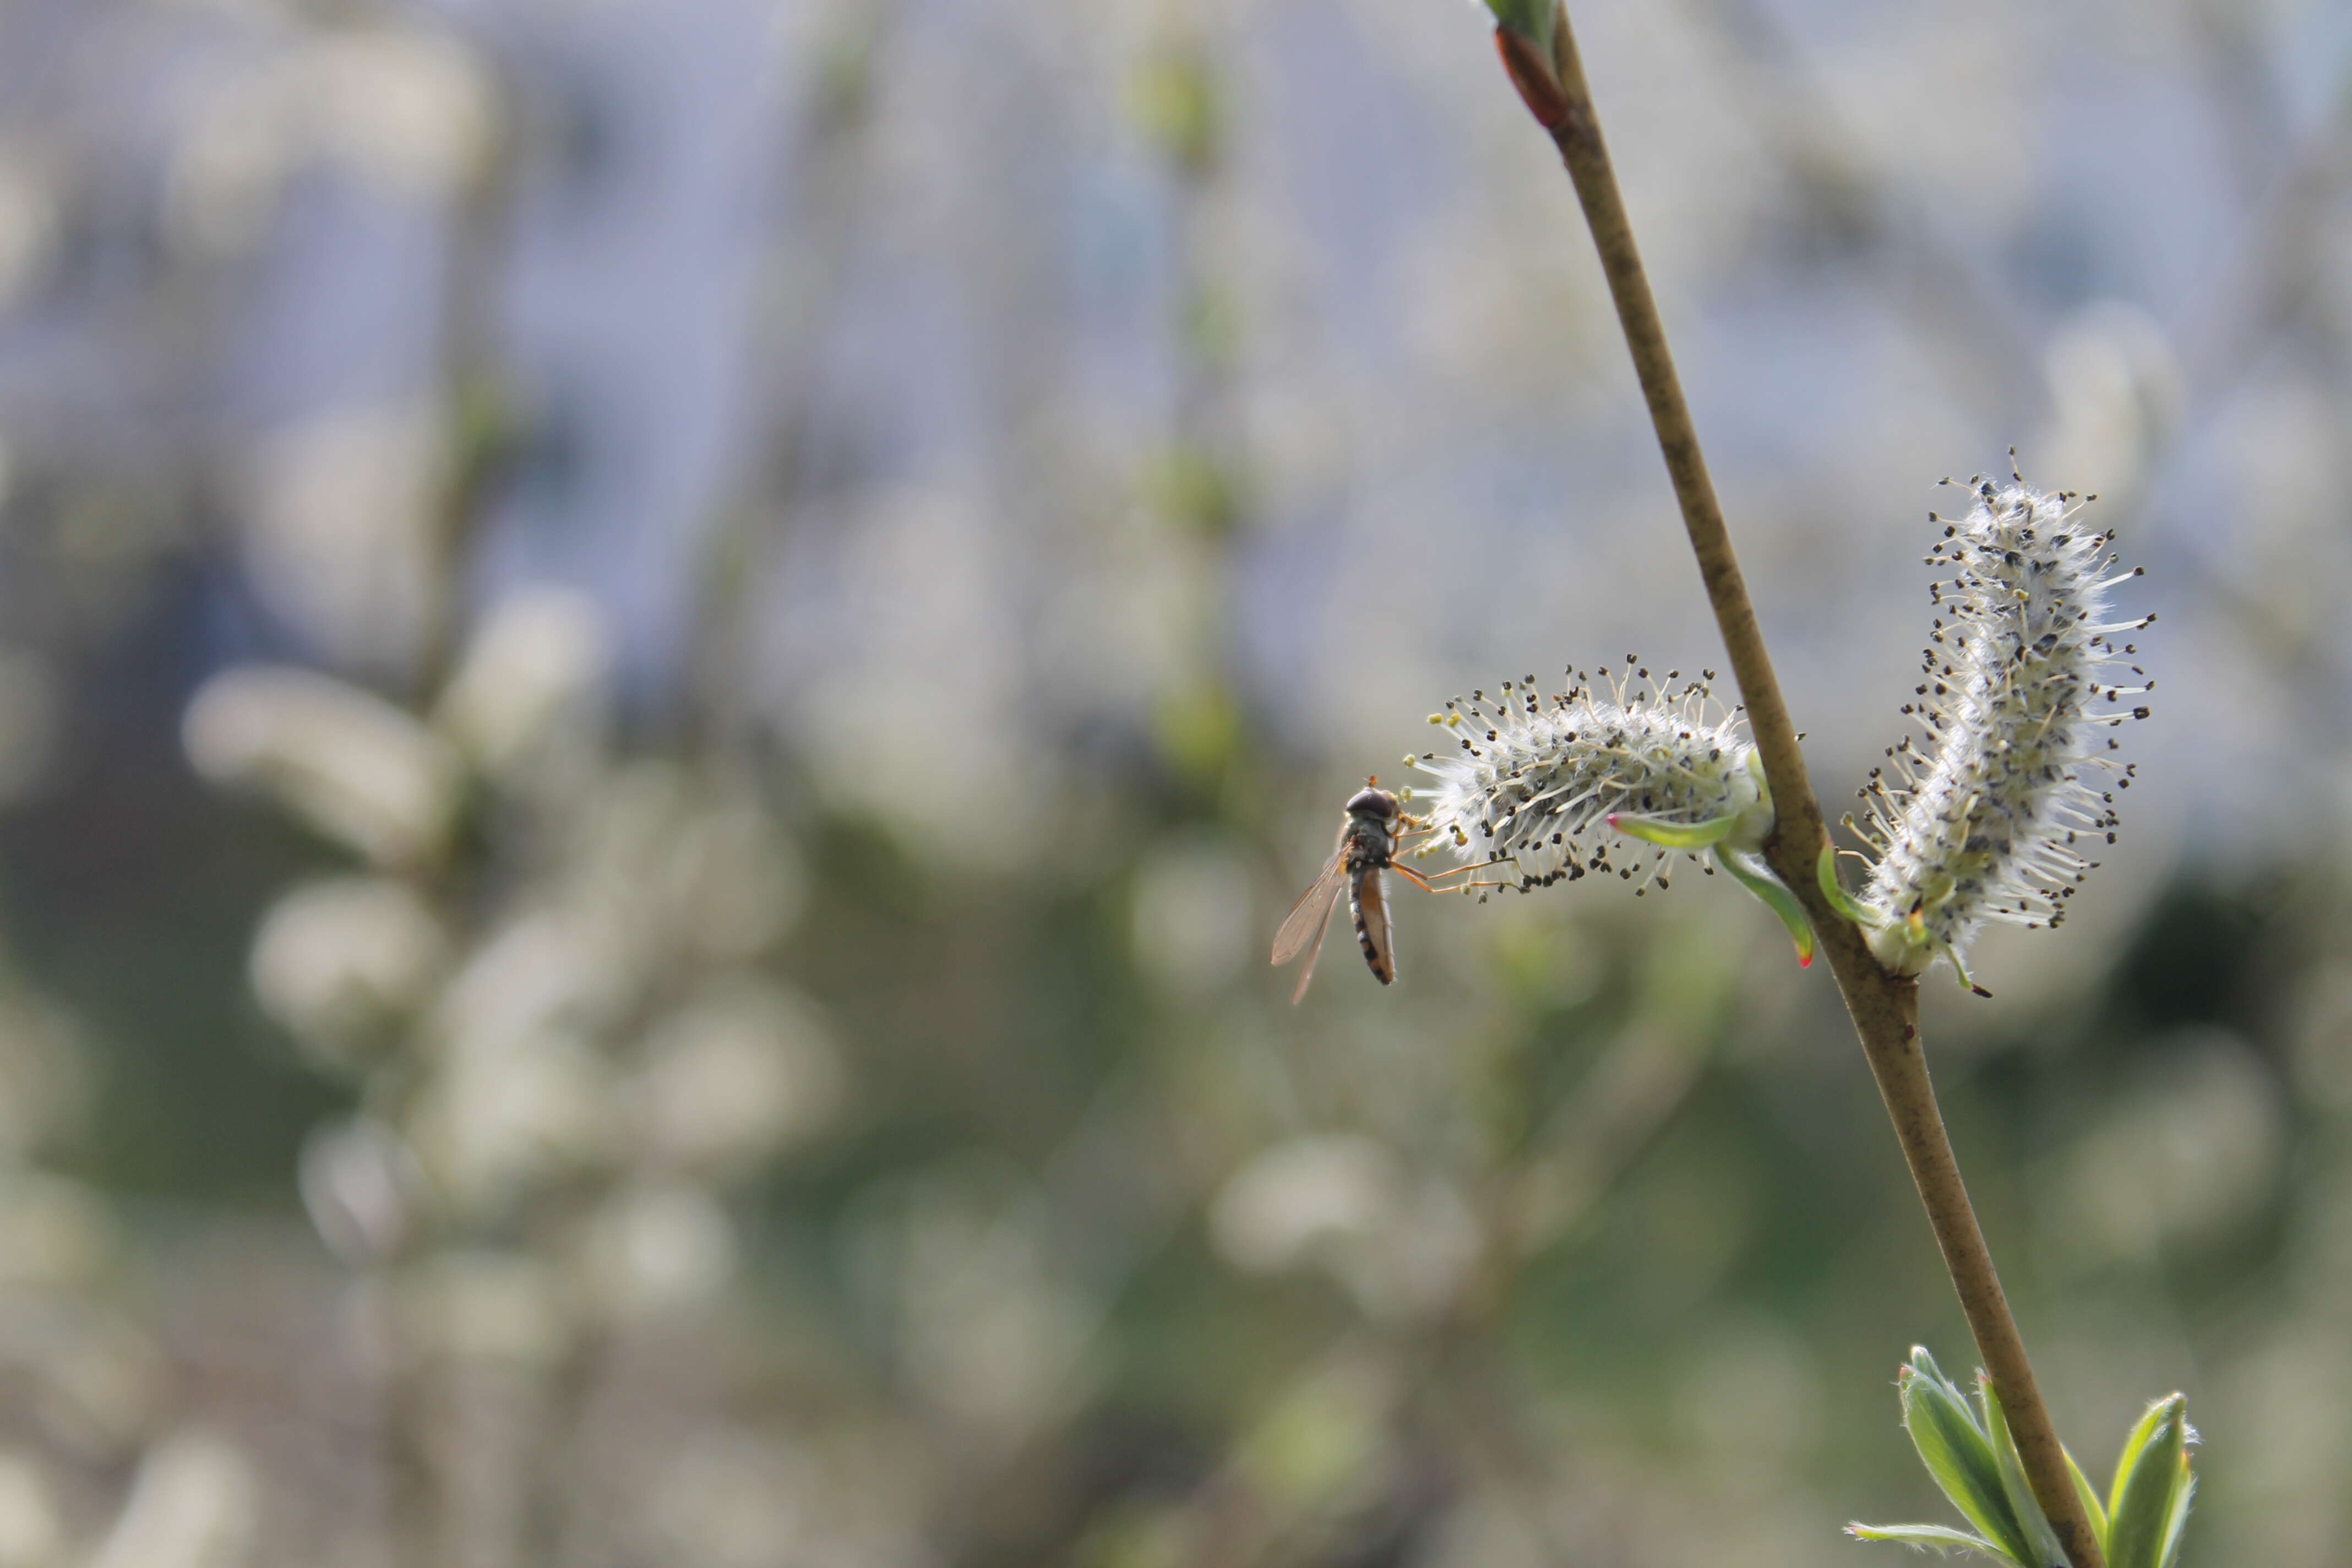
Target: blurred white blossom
[(2115, 395), (659, 1247), (1398, 1241), (339, 522), (535, 974), (532, 683), (341, 963), (403, 108), (195, 1504), (923, 644), (737, 1075), (510, 1114), (1296, 1195), (362, 1187), (29, 221), (349, 763), (31, 1535)]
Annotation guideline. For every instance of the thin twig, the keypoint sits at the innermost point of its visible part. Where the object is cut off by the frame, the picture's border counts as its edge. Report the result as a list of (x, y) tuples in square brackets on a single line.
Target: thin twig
[(1883, 1006)]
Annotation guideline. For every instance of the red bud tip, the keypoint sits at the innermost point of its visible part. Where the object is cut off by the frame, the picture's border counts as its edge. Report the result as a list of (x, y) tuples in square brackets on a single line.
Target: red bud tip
[(1533, 76)]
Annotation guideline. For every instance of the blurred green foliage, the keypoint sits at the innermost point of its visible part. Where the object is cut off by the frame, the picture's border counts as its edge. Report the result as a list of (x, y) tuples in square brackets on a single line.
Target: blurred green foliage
[(770, 1057)]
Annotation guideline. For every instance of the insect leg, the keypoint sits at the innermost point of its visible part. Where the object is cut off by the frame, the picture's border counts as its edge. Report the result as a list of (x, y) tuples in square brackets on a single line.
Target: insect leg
[(1427, 886)]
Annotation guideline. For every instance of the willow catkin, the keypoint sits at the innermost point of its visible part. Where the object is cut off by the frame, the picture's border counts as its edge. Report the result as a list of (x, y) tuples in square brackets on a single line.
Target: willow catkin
[(1992, 817)]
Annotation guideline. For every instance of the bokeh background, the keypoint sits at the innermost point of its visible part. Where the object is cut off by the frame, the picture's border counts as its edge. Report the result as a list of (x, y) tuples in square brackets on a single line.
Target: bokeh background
[(663, 665)]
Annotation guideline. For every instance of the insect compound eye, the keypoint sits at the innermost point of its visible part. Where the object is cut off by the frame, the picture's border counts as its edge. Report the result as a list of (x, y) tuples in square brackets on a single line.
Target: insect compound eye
[(1372, 803)]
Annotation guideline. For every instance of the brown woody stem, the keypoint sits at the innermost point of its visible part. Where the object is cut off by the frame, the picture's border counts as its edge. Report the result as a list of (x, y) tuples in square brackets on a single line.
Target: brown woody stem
[(1883, 1006)]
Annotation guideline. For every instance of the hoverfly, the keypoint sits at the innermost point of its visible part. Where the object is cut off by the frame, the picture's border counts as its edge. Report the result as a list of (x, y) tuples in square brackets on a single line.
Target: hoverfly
[(1368, 842)]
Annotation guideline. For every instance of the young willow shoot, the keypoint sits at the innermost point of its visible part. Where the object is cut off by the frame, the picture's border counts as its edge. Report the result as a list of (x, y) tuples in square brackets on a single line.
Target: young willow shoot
[(1990, 820), (1968, 1451)]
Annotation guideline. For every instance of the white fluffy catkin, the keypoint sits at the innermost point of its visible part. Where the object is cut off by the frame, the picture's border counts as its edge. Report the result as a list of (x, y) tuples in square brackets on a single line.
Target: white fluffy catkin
[(1534, 781), (1990, 818)]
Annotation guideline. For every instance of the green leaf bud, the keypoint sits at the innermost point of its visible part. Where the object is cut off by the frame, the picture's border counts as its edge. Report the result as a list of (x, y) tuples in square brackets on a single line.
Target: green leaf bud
[(2048, 1553), (1960, 1456), (2149, 1502)]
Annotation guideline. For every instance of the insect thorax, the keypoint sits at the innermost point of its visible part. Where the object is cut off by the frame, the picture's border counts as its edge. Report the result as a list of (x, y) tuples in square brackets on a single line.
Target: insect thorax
[(1369, 840)]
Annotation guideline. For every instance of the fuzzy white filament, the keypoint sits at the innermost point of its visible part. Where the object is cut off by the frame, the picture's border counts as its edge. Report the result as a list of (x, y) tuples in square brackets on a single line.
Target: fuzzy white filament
[(1988, 821), (1536, 781)]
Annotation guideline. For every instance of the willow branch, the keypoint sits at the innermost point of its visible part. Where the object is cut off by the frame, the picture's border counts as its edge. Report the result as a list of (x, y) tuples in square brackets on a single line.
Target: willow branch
[(1883, 1006)]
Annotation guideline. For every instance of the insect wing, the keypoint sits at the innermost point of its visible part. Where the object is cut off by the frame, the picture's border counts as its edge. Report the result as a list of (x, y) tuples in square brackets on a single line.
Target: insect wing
[(1311, 916), (1301, 922), (1368, 899), (1322, 928)]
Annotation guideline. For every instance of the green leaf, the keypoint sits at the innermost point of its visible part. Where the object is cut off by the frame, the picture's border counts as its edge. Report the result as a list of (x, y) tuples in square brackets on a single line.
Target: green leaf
[(1961, 1457), (1936, 1537), (2153, 1471), (2133, 1441), (1749, 869), (2092, 1506), (2179, 1520), (2047, 1551), (1530, 19), (1676, 835)]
